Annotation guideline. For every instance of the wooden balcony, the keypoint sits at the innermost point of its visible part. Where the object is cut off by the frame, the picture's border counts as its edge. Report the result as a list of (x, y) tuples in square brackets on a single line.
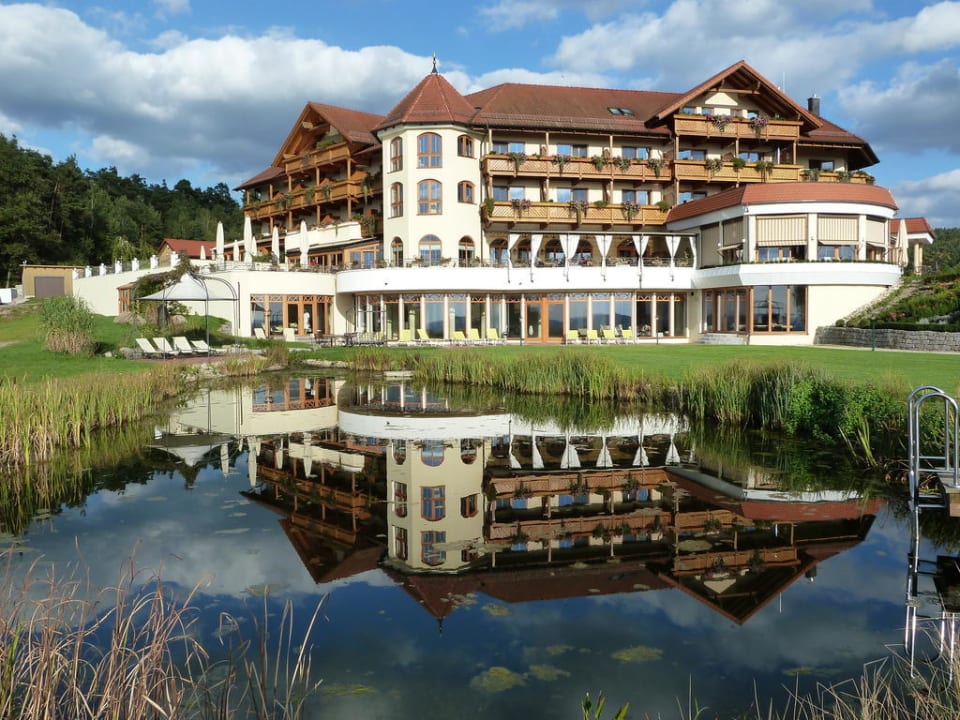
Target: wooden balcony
[(329, 155), (561, 213), (566, 482), (694, 564), (556, 527), (738, 128), (326, 193), (701, 171), (576, 169)]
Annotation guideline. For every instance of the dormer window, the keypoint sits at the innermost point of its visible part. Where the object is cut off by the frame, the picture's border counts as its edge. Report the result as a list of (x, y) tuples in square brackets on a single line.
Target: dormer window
[(620, 111)]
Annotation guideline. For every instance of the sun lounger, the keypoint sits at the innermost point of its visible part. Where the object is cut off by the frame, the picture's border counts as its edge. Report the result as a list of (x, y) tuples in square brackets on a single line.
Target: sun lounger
[(201, 346), (183, 345), (493, 336), (573, 337), (423, 338), (627, 336), (592, 336), (459, 338), (164, 346), (473, 335), (147, 348), (608, 336), (405, 337), (259, 334)]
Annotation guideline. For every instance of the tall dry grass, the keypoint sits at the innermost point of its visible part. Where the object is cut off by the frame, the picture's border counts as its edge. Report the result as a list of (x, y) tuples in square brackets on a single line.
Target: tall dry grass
[(62, 655)]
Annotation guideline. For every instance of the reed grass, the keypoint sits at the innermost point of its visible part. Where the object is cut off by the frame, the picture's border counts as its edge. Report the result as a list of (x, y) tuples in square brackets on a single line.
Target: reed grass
[(40, 417), (63, 656)]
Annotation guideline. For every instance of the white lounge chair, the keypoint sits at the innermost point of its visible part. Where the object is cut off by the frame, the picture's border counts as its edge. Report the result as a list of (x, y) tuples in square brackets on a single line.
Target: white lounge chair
[(183, 345), (164, 346), (493, 337), (147, 348), (201, 346)]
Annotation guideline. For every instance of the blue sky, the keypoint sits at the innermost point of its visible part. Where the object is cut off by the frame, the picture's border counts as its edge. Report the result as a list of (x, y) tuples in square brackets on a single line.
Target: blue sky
[(208, 90)]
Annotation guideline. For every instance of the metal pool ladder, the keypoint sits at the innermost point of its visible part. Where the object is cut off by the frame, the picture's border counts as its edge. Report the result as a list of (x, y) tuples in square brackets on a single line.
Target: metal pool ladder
[(929, 476)]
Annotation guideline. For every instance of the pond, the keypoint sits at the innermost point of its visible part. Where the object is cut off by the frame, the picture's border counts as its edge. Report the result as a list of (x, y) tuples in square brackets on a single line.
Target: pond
[(477, 563)]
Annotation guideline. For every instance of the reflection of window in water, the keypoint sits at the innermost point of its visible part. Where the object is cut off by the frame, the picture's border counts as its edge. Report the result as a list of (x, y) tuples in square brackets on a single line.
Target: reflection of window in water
[(431, 452), (399, 451), (400, 499), (433, 505), (468, 505), (428, 554), (500, 447), (468, 450), (400, 547)]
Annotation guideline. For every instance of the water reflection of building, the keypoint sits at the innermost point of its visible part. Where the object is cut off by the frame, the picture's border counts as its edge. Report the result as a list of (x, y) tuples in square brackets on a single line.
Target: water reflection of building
[(450, 503)]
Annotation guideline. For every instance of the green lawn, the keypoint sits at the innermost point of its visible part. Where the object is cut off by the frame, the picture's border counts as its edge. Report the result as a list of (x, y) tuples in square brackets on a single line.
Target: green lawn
[(22, 355)]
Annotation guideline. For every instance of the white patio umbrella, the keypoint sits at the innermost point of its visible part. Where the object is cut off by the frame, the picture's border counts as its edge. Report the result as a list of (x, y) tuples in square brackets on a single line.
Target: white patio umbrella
[(535, 453), (603, 459), (275, 241), (571, 458), (304, 244), (248, 244), (673, 457), (514, 462), (252, 468), (307, 455), (225, 459), (203, 253), (640, 459), (236, 251), (278, 455), (219, 242)]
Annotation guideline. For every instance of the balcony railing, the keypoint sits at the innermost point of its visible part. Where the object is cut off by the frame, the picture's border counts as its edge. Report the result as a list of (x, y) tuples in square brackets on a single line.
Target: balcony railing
[(739, 128), (577, 168), (703, 171), (329, 155), (547, 213), (332, 192)]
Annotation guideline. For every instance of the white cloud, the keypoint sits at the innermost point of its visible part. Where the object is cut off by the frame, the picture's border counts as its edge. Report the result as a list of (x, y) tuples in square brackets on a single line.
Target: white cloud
[(512, 15), (172, 7), (913, 111), (937, 198)]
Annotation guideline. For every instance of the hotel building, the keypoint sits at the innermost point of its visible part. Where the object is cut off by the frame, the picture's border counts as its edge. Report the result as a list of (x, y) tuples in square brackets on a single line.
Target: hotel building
[(545, 214)]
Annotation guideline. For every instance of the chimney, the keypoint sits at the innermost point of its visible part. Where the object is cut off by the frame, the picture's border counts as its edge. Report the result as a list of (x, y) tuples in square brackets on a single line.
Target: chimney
[(813, 105)]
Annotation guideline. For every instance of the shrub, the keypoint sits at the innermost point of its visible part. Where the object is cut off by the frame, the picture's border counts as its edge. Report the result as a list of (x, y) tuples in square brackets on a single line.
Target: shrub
[(68, 324)]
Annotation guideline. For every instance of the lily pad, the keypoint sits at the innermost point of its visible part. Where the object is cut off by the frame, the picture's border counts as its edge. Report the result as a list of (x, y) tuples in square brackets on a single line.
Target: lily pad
[(638, 653), (497, 679)]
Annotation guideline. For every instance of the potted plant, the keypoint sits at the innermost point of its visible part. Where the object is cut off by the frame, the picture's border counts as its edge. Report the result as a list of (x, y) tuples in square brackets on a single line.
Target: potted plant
[(655, 165), (720, 122), (763, 167), (738, 163), (630, 210), (578, 207), (758, 124), (713, 165), (622, 163), (599, 162), (560, 161), (811, 174), (664, 205), (518, 159)]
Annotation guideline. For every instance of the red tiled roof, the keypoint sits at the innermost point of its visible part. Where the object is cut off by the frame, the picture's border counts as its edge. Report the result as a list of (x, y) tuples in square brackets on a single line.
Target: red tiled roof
[(568, 108), (190, 248), (769, 193), (741, 76), (433, 100), (261, 177), (356, 126), (915, 225)]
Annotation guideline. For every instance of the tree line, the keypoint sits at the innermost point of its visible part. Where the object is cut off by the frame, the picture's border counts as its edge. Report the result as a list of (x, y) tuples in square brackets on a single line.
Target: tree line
[(57, 213)]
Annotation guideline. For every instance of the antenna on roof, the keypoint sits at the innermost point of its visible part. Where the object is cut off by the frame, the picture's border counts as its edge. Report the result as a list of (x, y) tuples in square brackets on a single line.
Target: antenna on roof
[(434, 63)]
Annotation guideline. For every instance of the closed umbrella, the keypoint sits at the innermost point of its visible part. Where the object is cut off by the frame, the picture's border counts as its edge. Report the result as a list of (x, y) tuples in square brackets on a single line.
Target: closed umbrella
[(275, 242), (248, 244), (203, 253), (603, 459), (219, 243), (304, 245)]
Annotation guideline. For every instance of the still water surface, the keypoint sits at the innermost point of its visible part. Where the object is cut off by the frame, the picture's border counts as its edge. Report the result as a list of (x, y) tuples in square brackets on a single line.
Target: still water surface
[(479, 564)]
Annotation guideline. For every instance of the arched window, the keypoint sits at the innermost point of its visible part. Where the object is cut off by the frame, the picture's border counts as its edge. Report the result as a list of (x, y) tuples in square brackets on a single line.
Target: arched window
[(396, 200), (428, 197), (468, 450), (428, 554), (465, 192), (396, 252), (396, 154), (465, 146), (466, 251), (429, 155), (430, 250), (399, 456)]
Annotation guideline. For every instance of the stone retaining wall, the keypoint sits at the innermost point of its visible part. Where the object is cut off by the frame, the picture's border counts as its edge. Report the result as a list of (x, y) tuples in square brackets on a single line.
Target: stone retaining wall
[(924, 340)]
